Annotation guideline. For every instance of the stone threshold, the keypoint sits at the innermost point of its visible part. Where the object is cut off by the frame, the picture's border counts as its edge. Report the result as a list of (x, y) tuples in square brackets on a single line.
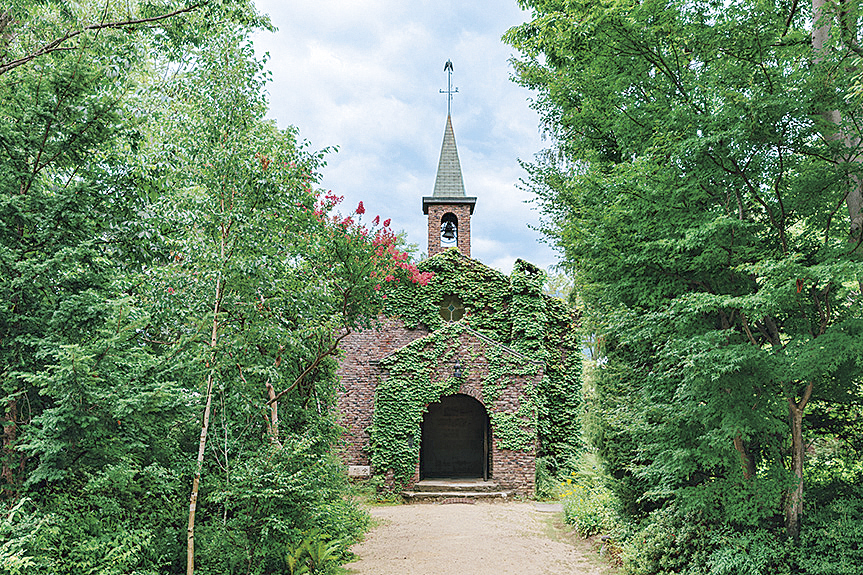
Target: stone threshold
[(436, 489)]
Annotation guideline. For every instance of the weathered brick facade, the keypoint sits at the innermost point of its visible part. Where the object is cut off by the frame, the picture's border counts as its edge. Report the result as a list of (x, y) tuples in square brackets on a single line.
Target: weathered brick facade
[(360, 372), (436, 213), (511, 469)]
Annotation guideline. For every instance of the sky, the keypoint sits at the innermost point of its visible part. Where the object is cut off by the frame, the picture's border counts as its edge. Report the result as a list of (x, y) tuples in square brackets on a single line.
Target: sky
[(365, 76)]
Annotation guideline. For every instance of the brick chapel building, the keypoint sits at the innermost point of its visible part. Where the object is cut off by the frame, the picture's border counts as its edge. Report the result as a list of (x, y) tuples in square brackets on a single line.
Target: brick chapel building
[(451, 382)]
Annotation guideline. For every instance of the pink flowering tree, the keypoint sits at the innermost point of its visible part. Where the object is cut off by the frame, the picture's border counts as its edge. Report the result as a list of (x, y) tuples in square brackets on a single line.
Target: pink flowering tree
[(262, 280)]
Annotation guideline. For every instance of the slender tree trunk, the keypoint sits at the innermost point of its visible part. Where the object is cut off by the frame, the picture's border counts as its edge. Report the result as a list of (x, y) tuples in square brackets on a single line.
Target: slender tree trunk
[(794, 497), (822, 23), (8, 451), (273, 422), (202, 444), (745, 458)]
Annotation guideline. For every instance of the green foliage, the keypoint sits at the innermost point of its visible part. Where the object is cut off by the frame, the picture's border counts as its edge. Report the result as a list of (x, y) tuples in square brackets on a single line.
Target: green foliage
[(589, 509), (545, 483), (514, 312), (588, 504), (273, 500), (510, 427), (833, 535), (161, 233), (314, 555), (697, 190), (671, 541), (668, 543), (757, 552)]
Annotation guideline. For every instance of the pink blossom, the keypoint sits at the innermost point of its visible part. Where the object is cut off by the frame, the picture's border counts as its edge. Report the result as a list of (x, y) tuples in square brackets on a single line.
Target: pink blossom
[(387, 223), (361, 209)]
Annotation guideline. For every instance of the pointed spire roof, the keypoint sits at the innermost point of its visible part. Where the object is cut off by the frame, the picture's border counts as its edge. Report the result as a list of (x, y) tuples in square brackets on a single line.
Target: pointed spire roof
[(449, 182), (448, 185)]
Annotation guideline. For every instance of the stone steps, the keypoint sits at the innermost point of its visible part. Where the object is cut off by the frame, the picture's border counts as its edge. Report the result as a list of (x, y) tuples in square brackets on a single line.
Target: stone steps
[(442, 489), (436, 495)]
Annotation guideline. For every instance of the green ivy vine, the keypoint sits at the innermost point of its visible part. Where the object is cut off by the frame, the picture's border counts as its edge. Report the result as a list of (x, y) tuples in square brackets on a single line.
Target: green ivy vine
[(511, 310), (401, 398)]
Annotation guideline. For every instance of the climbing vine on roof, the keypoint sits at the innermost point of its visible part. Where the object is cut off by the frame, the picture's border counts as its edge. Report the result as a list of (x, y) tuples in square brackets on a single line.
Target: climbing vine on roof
[(513, 311)]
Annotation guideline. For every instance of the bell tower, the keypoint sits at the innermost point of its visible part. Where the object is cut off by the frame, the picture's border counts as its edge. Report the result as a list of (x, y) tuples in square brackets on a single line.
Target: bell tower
[(448, 208)]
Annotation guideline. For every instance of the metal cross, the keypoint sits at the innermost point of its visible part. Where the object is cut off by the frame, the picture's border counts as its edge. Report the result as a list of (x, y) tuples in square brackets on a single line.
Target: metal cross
[(449, 91)]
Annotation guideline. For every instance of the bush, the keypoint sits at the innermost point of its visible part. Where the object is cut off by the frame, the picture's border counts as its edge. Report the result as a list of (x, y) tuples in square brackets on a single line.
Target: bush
[(672, 541), (750, 552), (666, 543), (832, 537), (546, 486), (590, 509)]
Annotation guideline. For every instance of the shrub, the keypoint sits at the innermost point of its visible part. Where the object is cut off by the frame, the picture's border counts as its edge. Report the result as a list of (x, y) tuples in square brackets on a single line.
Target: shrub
[(546, 486), (589, 509), (668, 541), (749, 552), (672, 541), (832, 537)]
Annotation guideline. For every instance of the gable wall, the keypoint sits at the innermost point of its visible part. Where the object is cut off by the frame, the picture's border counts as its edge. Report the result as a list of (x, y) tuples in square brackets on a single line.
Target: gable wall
[(359, 373), (512, 469)]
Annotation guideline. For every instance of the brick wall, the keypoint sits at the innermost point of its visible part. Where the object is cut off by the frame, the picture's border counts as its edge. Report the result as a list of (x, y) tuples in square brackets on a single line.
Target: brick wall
[(359, 373), (514, 470), (436, 213)]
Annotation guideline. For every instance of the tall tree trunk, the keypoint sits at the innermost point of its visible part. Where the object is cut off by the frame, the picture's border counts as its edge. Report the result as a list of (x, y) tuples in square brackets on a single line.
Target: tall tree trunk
[(273, 421), (202, 444), (13, 460), (822, 24), (794, 497)]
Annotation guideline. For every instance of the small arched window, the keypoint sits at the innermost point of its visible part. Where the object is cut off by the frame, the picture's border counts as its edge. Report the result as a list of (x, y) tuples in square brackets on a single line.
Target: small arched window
[(451, 308)]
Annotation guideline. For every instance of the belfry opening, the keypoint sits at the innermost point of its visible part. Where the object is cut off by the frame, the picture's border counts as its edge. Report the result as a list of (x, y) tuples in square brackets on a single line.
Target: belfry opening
[(448, 230), (456, 439)]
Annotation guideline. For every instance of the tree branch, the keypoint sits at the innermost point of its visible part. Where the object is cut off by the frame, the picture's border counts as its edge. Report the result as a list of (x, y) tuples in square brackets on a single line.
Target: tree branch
[(56, 44), (330, 350)]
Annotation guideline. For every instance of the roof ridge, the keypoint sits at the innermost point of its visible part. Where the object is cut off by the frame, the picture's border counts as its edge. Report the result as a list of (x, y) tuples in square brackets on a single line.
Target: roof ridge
[(465, 327)]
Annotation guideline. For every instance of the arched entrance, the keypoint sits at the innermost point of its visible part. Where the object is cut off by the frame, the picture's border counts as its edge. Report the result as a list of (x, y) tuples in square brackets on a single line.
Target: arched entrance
[(455, 439)]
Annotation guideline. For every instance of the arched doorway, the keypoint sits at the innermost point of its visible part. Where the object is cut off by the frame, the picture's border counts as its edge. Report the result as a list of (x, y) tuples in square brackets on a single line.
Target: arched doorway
[(455, 439)]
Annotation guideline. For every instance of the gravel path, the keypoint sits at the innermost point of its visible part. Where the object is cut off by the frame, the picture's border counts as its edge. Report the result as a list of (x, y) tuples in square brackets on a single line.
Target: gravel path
[(481, 539)]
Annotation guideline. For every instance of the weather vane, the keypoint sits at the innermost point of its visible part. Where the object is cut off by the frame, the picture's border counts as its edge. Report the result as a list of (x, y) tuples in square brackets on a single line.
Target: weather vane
[(449, 91)]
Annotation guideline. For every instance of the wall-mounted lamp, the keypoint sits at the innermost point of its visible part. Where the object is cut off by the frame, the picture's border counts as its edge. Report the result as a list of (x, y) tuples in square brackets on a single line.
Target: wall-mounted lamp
[(456, 369)]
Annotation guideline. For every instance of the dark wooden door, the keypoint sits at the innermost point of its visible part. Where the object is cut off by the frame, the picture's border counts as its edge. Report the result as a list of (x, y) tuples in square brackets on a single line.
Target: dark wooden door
[(454, 438)]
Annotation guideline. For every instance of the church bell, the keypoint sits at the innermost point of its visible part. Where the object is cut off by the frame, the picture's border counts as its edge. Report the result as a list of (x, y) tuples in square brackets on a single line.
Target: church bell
[(449, 231)]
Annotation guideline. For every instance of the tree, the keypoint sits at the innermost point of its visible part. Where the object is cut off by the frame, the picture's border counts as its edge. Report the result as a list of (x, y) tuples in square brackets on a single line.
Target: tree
[(172, 273), (697, 198), (265, 280)]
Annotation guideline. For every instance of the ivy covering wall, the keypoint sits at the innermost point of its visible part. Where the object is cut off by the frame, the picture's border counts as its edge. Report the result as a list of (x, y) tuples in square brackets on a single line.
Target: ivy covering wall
[(510, 310), (415, 380)]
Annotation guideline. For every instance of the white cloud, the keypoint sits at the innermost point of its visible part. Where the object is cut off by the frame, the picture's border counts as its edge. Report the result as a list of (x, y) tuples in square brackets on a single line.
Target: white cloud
[(365, 76)]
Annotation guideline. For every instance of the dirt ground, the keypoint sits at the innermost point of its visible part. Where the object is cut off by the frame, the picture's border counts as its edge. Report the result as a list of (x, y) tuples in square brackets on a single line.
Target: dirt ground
[(480, 539)]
